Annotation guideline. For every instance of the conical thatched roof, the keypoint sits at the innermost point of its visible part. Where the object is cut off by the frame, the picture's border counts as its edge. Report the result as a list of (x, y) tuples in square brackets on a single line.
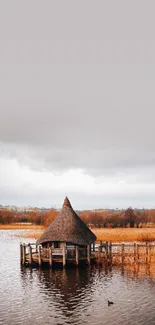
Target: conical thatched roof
[(67, 227)]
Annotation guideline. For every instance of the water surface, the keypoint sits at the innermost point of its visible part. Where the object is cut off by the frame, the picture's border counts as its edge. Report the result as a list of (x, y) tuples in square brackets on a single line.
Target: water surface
[(73, 296)]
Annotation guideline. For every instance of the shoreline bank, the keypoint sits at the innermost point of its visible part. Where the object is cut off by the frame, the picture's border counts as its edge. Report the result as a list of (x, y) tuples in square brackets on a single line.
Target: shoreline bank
[(102, 234)]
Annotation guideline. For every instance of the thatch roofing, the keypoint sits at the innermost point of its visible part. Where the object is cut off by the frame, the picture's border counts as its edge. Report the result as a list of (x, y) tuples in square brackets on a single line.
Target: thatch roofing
[(68, 227)]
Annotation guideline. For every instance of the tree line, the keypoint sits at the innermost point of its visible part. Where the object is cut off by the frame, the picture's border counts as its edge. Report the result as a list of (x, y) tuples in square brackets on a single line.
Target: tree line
[(96, 218), (37, 217), (119, 218)]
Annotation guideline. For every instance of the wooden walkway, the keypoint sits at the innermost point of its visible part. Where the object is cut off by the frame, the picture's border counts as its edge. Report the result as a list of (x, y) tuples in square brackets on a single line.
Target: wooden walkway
[(98, 253)]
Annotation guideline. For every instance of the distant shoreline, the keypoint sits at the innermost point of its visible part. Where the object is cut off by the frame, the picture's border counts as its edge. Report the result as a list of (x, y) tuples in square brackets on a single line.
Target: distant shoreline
[(21, 226), (102, 234)]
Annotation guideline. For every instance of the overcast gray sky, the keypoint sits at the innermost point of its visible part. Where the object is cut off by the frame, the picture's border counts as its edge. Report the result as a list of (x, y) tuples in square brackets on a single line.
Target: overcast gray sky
[(77, 103)]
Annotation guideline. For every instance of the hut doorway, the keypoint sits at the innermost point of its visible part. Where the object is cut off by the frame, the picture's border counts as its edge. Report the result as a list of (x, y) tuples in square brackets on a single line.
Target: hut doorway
[(56, 244)]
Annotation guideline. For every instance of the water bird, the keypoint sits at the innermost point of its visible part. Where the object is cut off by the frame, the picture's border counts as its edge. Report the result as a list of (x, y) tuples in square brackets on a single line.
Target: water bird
[(110, 303)]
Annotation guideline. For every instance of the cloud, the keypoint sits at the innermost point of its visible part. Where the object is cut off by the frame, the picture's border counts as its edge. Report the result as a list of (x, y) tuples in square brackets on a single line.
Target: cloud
[(93, 161), (21, 185), (77, 102)]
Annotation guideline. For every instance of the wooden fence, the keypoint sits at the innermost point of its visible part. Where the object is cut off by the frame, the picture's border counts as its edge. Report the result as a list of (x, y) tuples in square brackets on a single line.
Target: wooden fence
[(98, 253)]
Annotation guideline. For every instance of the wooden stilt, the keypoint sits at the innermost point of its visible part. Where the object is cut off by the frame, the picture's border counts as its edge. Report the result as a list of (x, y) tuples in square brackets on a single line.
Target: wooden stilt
[(50, 256), (110, 252), (149, 254), (39, 256), (30, 255), (147, 250), (21, 253), (88, 254), (135, 252), (101, 245), (122, 253), (106, 248), (99, 255), (77, 255), (64, 256)]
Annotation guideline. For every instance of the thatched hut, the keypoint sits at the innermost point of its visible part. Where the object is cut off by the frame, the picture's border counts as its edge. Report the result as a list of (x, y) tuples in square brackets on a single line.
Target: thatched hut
[(67, 230)]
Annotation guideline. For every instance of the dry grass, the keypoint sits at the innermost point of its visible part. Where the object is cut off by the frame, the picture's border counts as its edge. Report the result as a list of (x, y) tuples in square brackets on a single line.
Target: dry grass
[(124, 234), (35, 234), (104, 234), (19, 226), (147, 237), (114, 235)]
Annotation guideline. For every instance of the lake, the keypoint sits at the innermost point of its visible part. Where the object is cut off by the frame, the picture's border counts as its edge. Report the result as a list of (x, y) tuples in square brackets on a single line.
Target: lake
[(72, 296)]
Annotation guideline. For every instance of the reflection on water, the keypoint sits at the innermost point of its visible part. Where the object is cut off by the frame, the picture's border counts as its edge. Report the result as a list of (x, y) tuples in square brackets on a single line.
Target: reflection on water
[(73, 296), (67, 292)]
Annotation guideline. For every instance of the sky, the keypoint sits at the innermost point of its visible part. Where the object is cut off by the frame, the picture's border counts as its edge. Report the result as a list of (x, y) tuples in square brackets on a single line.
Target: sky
[(77, 103)]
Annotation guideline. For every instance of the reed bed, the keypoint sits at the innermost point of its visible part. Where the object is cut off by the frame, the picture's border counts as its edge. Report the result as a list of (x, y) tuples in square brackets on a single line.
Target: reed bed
[(124, 234), (102, 234), (35, 234), (20, 226)]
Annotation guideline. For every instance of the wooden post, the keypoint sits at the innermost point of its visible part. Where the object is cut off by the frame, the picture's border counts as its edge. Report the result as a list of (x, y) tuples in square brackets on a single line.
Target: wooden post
[(39, 256), (24, 251), (30, 254), (135, 252), (101, 245), (147, 252), (110, 252), (122, 253), (99, 255), (106, 248), (88, 254), (21, 253), (50, 256), (77, 255), (64, 256)]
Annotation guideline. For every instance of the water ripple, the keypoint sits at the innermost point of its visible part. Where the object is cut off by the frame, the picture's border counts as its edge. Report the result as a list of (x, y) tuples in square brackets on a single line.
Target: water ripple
[(77, 296)]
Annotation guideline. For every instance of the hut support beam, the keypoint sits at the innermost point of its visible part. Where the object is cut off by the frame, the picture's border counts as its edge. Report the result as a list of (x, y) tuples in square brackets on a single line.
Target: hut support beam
[(23, 254), (147, 252), (88, 254), (50, 256), (122, 253), (135, 252), (110, 252), (77, 255), (99, 255), (101, 245), (106, 248), (39, 256), (30, 255), (64, 256)]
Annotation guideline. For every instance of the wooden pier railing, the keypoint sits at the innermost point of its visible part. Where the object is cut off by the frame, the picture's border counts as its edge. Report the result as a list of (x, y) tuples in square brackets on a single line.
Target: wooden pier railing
[(98, 253)]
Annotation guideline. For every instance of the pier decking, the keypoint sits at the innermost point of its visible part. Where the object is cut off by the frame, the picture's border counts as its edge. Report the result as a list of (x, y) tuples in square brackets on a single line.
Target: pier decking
[(97, 253)]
